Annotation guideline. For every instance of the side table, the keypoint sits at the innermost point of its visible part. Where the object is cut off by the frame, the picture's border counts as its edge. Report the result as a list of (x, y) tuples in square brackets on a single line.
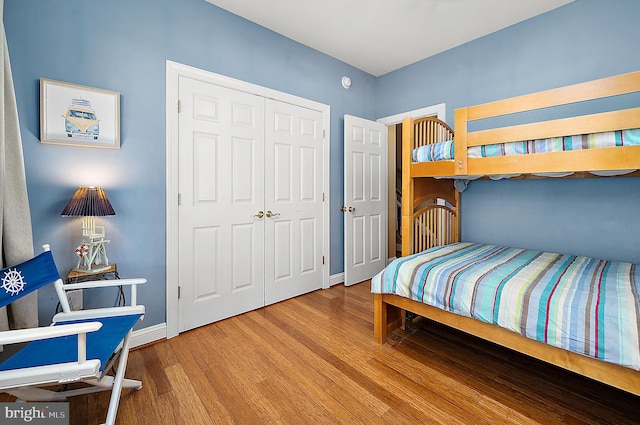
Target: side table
[(75, 276)]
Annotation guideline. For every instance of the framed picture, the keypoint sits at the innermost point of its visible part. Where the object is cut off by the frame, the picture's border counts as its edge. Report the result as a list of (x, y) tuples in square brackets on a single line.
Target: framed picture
[(78, 115)]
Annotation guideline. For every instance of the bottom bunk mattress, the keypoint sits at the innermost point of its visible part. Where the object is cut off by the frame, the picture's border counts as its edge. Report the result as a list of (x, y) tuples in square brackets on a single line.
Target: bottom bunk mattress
[(580, 304)]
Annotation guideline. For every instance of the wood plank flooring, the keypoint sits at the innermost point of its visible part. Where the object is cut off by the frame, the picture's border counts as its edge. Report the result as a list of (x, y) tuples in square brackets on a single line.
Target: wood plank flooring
[(312, 360)]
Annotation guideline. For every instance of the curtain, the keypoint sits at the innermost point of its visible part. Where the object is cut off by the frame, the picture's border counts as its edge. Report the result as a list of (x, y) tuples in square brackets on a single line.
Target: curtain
[(16, 242)]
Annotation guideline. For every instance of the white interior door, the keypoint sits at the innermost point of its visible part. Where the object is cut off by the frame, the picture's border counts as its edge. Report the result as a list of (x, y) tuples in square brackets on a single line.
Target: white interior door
[(365, 199), (293, 200), (221, 232)]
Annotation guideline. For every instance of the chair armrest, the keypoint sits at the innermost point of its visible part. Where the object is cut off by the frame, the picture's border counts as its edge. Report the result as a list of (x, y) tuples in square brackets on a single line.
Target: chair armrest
[(35, 334), (103, 283), (134, 282), (97, 314)]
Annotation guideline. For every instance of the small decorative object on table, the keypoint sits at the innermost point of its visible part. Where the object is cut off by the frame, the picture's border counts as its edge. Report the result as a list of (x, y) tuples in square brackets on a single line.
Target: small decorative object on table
[(90, 202)]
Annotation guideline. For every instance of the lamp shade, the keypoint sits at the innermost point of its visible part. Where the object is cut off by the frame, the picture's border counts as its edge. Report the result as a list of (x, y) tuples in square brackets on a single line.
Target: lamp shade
[(88, 202)]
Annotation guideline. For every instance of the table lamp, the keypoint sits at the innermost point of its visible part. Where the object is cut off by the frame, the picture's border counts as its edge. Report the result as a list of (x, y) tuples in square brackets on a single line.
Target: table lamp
[(88, 203)]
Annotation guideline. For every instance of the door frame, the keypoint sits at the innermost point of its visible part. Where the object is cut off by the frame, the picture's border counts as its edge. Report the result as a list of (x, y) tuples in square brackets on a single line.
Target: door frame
[(439, 111), (173, 71)]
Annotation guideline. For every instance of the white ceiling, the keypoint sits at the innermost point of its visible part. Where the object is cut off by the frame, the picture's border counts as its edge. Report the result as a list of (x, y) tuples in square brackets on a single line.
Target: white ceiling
[(380, 36)]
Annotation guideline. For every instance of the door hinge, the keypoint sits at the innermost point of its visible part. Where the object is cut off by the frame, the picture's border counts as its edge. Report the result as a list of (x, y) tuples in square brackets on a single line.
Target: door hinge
[(178, 292), (322, 196), (179, 199), (179, 106), (323, 134), (323, 259)]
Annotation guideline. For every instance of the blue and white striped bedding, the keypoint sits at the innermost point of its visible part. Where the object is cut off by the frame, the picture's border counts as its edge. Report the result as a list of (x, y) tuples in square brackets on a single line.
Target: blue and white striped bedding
[(580, 304), (434, 152), (445, 150)]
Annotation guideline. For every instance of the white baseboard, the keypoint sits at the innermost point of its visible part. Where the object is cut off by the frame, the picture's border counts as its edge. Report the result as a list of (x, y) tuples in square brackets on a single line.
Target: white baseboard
[(335, 279), (148, 335)]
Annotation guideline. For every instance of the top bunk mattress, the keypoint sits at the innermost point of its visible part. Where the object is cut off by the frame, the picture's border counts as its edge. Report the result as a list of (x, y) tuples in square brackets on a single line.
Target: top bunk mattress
[(443, 151), (580, 304)]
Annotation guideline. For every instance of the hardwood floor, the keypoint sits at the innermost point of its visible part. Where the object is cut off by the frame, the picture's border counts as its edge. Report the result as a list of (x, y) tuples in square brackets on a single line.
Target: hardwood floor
[(312, 360)]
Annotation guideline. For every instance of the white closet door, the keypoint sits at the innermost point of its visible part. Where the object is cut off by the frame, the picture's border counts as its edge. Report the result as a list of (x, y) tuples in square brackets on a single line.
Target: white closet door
[(293, 201), (221, 233), (365, 199)]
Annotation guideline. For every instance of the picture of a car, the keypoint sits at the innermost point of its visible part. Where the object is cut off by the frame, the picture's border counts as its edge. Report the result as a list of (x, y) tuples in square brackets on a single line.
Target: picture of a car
[(80, 120)]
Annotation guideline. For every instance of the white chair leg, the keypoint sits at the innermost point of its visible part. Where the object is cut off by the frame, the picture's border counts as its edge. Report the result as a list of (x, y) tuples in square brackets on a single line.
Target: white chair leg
[(117, 383)]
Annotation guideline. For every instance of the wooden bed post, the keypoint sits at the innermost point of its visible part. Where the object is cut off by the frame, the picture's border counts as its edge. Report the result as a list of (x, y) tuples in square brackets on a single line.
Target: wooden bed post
[(408, 141)]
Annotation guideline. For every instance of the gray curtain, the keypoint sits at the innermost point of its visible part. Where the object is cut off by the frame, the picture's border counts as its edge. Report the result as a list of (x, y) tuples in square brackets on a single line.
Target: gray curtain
[(16, 242)]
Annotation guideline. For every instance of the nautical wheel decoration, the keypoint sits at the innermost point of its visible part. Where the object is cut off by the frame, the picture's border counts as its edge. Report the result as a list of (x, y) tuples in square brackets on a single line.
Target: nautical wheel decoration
[(13, 282)]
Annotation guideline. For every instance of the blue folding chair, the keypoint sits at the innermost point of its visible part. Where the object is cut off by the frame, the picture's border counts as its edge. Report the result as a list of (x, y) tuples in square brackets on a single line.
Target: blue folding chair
[(79, 346)]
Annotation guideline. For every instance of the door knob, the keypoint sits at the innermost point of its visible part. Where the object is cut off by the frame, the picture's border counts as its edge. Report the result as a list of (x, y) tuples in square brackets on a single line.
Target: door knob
[(347, 209), (351, 209), (271, 214), (260, 214)]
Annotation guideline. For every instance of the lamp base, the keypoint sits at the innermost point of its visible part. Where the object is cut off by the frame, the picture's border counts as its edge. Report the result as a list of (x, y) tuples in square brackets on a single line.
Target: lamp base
[(94, 268)]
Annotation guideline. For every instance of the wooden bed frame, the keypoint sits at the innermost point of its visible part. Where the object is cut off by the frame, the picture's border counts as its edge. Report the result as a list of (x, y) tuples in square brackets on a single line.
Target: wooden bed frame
[(434, 204)]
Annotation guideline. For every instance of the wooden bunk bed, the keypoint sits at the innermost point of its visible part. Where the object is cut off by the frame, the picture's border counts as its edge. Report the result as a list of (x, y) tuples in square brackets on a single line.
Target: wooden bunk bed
[(431, 204)]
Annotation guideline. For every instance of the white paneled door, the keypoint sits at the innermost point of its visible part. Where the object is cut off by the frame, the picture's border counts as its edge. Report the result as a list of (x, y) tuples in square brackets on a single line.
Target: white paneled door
[(250, 215), (293, 201), (365, 199), (221, 233)]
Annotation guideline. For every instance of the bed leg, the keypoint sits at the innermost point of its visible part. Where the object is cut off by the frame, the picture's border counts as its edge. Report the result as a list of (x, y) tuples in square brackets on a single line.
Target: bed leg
[(386, 318), (405, 323), (379, 319)]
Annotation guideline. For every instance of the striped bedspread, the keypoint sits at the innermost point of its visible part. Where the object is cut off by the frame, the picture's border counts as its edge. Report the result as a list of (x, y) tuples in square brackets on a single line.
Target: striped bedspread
[(584, 305), (445, 150)]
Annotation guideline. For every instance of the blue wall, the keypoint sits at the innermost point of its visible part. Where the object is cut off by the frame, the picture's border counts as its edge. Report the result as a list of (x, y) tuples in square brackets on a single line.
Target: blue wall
[(584, 40), (123, 45), (592, 217)]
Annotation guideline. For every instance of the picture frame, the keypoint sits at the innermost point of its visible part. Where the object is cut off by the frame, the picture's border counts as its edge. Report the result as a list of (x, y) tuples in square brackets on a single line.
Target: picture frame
[(75, 115)]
